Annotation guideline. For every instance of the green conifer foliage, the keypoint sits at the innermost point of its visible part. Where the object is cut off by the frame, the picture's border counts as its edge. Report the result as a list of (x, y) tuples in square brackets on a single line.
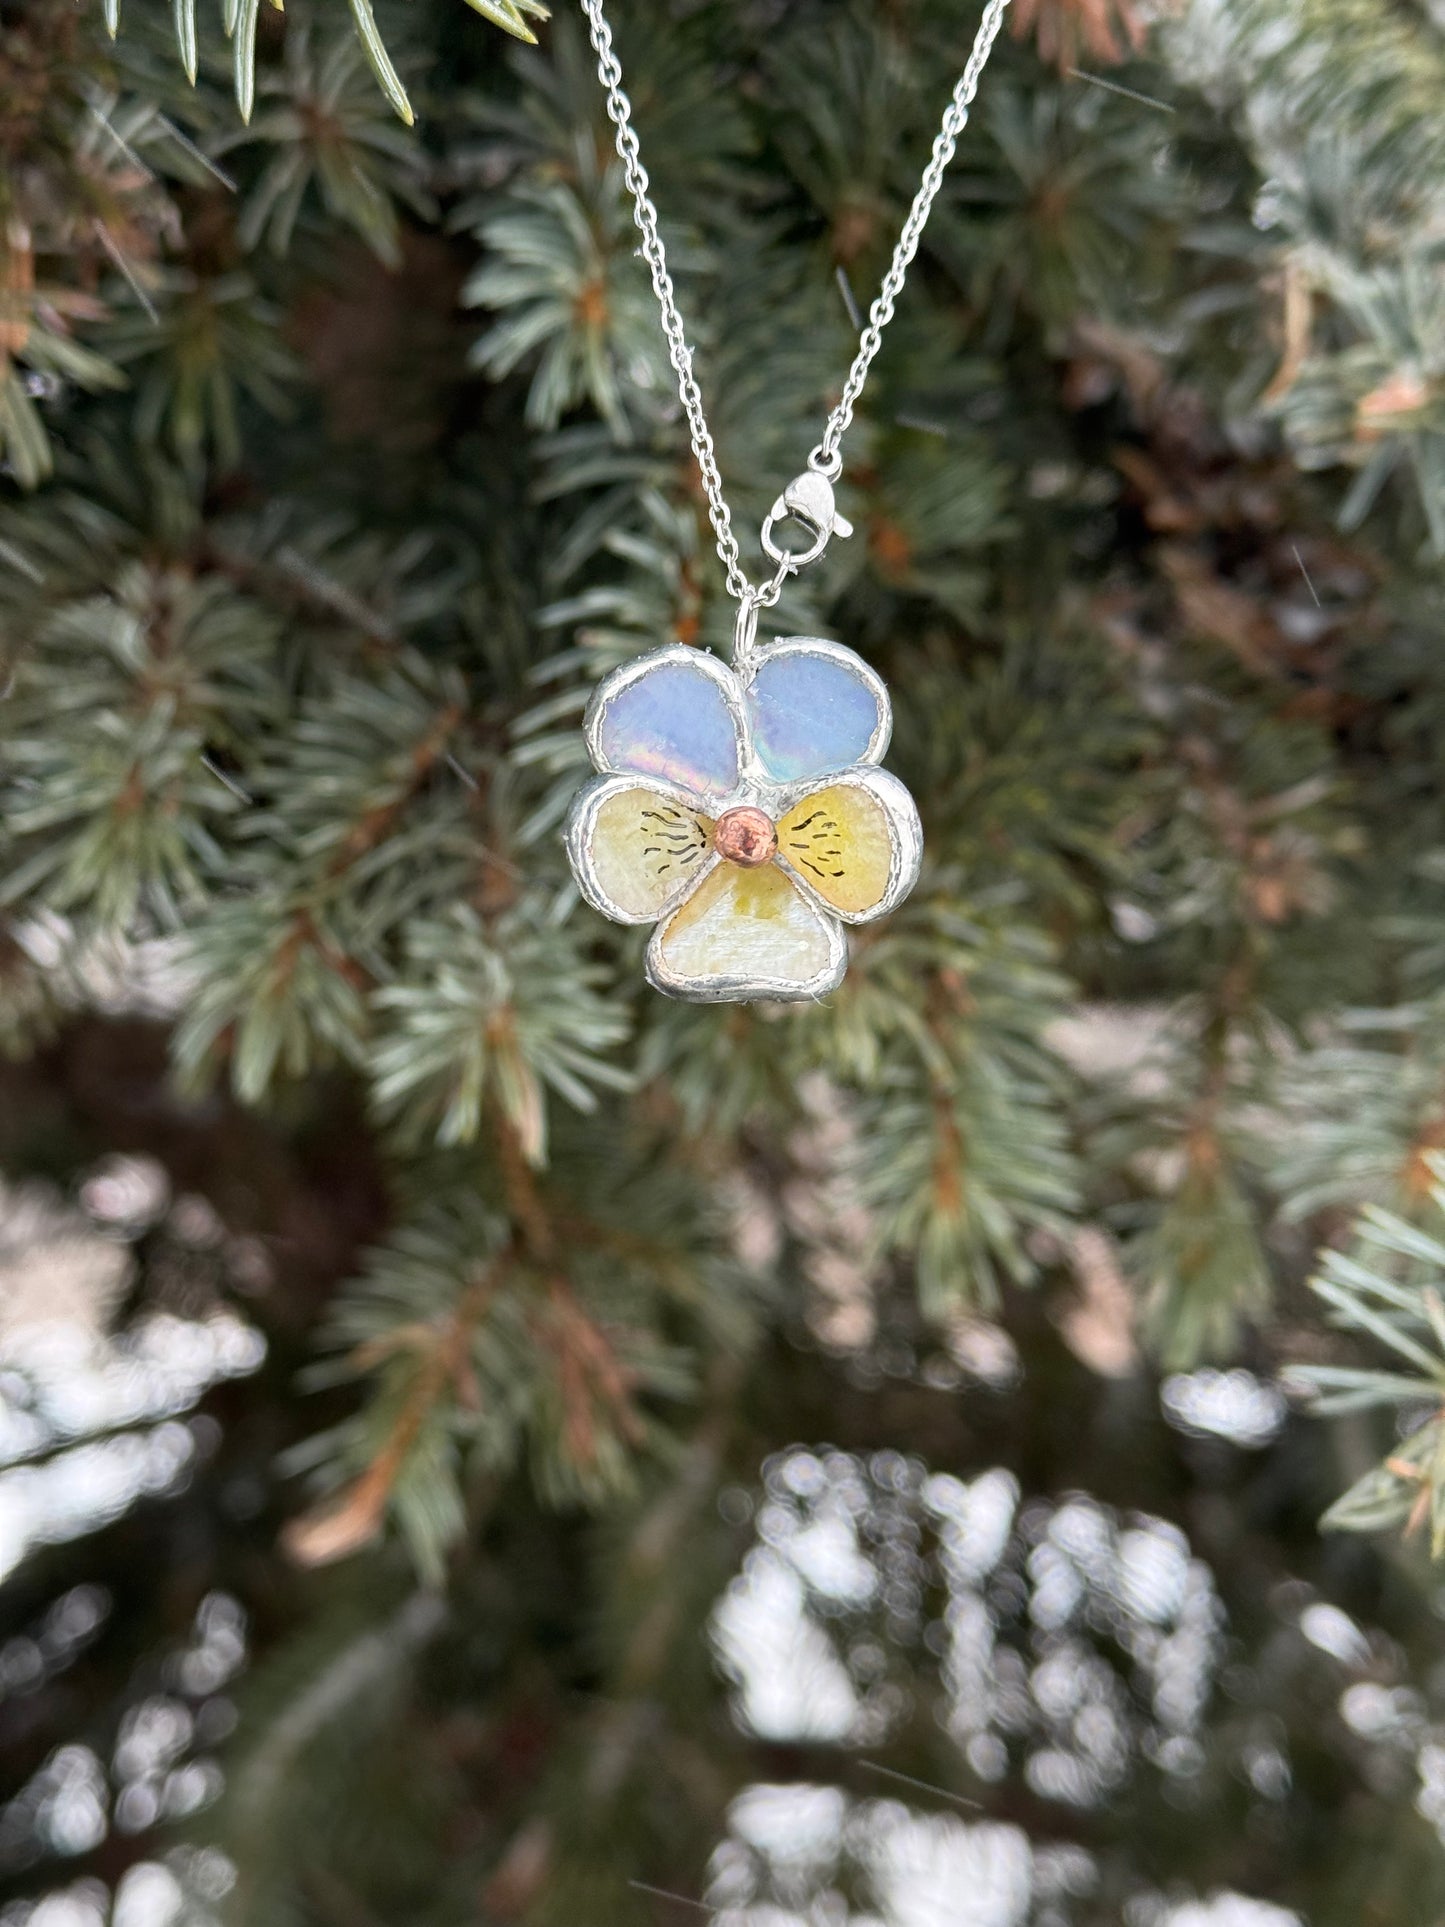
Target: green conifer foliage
[(341, 458)]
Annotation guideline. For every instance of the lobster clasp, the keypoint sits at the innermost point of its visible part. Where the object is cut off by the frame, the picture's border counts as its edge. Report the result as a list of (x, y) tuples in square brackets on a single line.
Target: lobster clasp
[(807, 500)]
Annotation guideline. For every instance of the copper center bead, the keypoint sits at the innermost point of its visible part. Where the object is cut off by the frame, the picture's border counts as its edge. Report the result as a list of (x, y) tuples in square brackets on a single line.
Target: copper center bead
[(746, 836)]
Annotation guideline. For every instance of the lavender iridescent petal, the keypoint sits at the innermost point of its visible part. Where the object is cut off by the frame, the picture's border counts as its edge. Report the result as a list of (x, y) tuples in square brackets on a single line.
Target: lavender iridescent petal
[(810, 715), (674, 723)]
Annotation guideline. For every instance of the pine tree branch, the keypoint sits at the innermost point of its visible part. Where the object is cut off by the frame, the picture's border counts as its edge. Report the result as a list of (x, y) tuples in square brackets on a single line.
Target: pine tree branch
[(239, 18), (343, 1525)]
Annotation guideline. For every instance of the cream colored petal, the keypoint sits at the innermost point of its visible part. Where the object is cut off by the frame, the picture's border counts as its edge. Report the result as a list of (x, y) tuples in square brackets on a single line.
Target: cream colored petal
[(636, 850), (746, 934), (855, 844)]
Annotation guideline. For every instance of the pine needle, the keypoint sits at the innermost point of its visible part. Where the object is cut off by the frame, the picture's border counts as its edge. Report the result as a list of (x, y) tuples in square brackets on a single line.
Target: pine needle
[(386, 74), (244, 56), (183, 13), (507, 14)]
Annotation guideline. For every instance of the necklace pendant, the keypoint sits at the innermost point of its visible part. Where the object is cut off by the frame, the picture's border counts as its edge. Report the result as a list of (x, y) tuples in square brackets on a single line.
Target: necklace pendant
[(743, 813)]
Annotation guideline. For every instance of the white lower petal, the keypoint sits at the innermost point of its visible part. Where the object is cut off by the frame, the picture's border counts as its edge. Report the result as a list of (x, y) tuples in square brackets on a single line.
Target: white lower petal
[(746, 934)]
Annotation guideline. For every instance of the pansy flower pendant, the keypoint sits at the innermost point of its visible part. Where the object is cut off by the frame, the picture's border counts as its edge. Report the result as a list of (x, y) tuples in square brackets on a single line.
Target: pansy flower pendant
[(743, 812)]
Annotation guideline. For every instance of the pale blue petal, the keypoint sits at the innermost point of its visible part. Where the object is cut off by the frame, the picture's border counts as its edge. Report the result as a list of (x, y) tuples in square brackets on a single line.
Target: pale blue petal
[(673, 722), (812, 714)]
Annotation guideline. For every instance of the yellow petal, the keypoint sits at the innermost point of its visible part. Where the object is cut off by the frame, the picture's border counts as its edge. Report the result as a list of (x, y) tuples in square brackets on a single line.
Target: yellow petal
[(636, 849), (744, 934), (855, 844)]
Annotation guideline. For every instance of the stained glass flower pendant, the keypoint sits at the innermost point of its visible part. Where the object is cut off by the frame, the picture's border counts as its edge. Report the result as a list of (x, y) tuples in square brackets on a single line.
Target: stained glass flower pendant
[(744, 813)]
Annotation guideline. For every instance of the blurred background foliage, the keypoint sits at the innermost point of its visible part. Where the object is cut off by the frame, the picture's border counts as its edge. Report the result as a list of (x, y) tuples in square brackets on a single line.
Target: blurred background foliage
[(481, 1444)]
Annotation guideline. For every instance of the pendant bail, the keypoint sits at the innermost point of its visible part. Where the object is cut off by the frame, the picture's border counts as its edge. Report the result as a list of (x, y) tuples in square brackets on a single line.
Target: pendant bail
[(745, 629)]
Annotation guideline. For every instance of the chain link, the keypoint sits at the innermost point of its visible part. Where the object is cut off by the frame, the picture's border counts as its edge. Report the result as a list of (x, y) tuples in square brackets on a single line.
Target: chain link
[(827, 457), (619, 108)]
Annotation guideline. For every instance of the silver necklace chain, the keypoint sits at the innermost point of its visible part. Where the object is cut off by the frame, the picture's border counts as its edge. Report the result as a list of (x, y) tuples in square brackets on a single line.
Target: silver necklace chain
[(811, 502)]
